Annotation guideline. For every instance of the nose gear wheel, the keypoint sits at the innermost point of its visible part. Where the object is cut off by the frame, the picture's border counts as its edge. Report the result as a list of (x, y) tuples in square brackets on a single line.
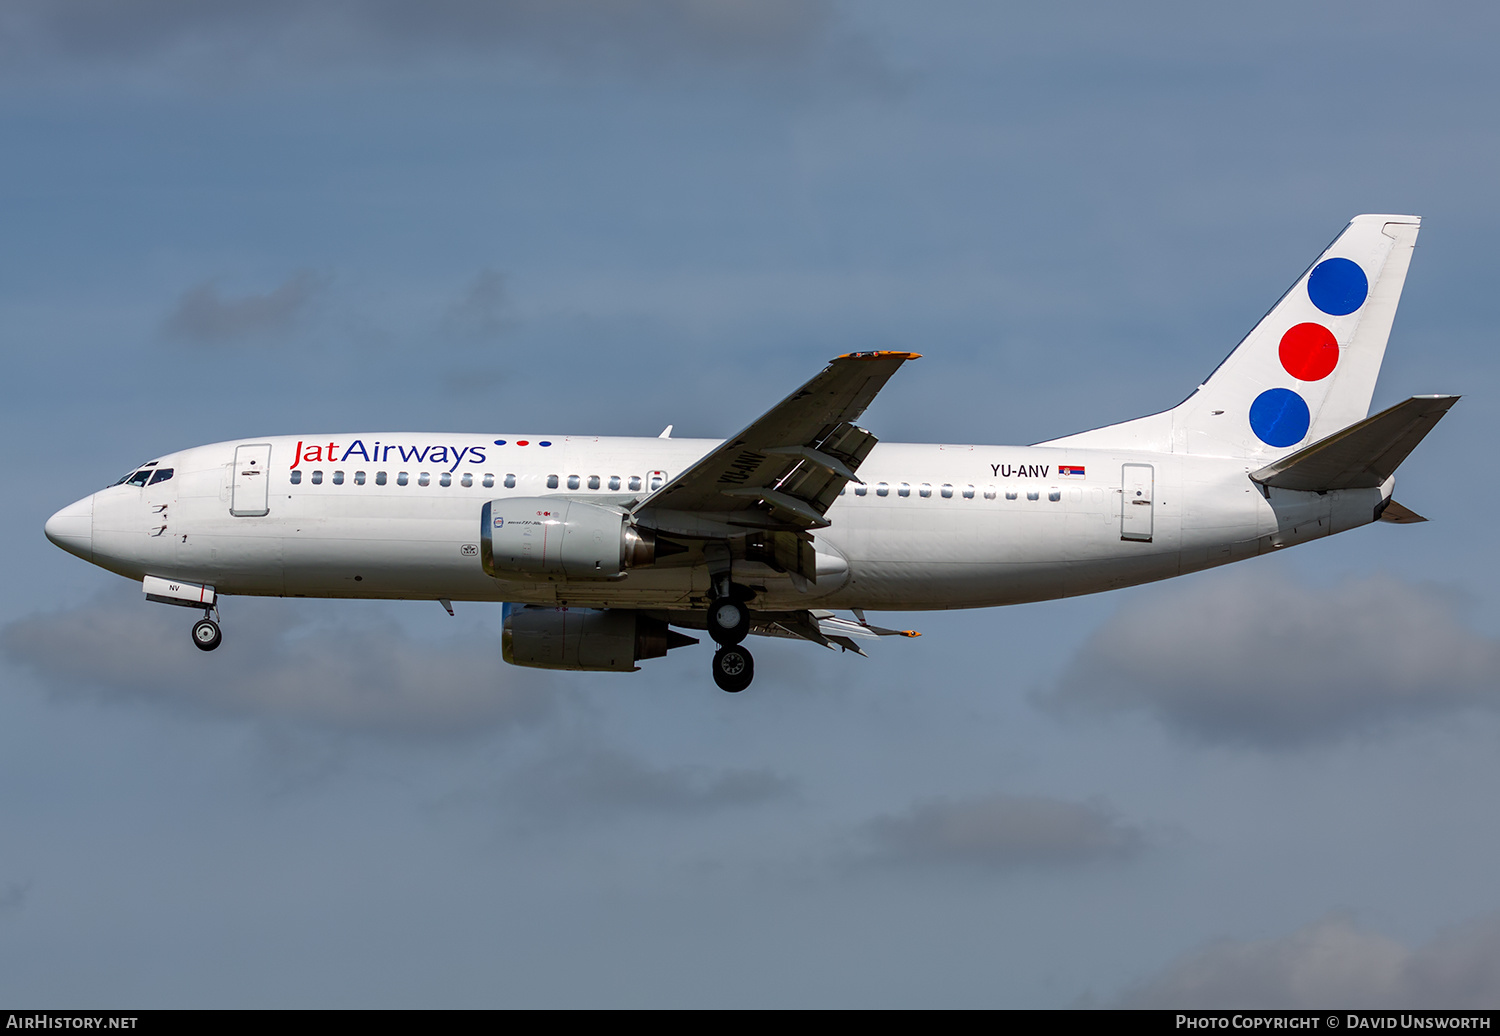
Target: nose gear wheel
[(206, 635)]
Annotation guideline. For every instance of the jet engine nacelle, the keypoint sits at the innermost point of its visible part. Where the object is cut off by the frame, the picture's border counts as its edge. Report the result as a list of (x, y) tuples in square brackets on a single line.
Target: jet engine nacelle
[(595, 639), (554, 537)]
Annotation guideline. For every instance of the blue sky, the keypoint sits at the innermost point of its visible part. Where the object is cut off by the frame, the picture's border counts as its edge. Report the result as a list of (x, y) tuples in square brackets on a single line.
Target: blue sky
[(227, 220)]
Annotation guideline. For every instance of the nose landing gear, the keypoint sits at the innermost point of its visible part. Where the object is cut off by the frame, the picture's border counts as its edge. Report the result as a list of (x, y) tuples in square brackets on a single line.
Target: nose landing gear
[(206, 634)]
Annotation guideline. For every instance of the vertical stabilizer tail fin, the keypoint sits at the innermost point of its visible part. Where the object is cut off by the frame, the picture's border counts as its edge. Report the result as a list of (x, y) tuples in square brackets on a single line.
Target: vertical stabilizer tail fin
[(1306, 370), (1309, 367)]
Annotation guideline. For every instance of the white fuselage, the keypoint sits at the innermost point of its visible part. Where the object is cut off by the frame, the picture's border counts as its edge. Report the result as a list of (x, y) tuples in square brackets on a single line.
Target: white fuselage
[(933, 526)]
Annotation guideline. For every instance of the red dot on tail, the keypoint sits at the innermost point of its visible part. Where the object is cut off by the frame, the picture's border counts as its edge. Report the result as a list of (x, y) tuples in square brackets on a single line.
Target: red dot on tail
[(1309, 352)]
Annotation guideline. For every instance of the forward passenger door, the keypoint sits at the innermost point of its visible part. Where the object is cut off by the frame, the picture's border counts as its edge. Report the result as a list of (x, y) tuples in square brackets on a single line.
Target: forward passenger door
[(251, 493)]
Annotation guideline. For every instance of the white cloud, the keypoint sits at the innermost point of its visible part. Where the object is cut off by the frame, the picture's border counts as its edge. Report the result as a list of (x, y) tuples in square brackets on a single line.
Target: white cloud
[(1333, 963), (1256, 659)]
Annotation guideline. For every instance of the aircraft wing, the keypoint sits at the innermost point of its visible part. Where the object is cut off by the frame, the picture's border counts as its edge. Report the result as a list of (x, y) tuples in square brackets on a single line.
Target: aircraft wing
[(785, 470)]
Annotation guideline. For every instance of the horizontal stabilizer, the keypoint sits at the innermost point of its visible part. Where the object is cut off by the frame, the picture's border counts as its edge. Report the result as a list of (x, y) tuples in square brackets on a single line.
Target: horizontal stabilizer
[(1398, 515), (1361, 456)]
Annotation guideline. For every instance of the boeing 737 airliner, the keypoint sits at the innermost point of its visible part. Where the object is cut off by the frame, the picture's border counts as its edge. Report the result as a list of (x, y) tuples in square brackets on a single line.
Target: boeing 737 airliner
[(601, 546)]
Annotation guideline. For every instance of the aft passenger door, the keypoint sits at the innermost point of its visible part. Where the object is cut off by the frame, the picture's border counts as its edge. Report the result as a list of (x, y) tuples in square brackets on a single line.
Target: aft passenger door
[(251, 493), (1137, 481)]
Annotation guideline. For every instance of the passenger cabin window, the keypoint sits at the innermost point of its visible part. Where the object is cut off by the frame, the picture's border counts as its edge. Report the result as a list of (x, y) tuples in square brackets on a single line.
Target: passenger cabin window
[(925, 490), (424, 479), (657, 480), (572, 481), (380, 478), (968, 492), (445, 479), (904, 489), (551, 481), (1032, 494), (1010, 494), (510, 481), (1054, 495), (467, 480), (635, 483), (614, 482), (989, 492), (359, 478), (882, 489), (948, 491), (401, 478), (317, 478), (593, 481), (296, 478), (861, 490), (338, 478)]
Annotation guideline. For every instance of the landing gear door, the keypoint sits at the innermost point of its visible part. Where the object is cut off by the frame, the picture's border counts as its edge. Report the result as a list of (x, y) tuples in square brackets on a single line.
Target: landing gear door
[(251, 493), (1135, 502)]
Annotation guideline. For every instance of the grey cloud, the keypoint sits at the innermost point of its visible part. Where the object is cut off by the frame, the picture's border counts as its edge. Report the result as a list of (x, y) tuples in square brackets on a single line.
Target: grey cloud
[(205, 317), (1255, 659), (480, 313), (373, 679), (13, 896), (474, 381), (1333, 961), (1001, 832), (309, 33), (598, 780)]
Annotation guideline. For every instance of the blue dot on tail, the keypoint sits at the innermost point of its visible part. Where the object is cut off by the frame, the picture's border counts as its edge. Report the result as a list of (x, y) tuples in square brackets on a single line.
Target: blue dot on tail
[(1338, 287), (1279, 417)]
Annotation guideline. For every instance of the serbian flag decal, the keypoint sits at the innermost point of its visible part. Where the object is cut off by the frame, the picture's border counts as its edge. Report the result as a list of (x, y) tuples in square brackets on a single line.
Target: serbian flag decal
[(1070, 470)]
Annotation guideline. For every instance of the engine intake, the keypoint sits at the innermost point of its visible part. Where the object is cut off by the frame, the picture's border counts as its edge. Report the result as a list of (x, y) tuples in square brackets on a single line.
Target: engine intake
[(556, 537), (594, 639)]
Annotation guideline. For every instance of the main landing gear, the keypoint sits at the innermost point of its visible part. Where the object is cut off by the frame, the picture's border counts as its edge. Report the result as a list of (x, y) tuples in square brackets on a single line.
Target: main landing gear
[(733, 669), (206, 634), (728, 620), (728, 624)]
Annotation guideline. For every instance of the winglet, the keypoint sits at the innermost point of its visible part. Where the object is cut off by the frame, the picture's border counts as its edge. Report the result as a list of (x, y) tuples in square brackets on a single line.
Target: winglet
[(880, 354)]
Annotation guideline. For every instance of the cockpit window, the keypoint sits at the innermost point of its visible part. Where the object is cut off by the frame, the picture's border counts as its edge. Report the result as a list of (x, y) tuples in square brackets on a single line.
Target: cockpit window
[(162, 474), (140, 476)]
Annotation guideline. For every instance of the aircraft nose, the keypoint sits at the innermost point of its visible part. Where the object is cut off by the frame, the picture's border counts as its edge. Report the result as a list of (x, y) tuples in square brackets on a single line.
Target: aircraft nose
[(72, 528)]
